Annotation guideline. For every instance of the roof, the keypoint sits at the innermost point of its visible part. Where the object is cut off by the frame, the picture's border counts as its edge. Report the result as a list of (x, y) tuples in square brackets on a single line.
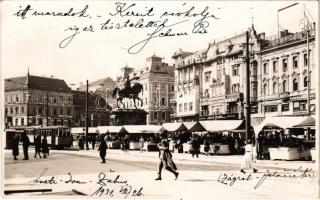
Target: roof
[(79, 130), (197, 127), (308, 122), (221, 125), (38, 83), (110, 129), (107, 82), (280, 122), (142, 128), (172, 127)]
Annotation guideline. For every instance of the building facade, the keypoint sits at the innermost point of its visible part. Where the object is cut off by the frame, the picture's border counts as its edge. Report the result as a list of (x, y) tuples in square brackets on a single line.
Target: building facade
[(33, 100), (157, 79), (284, 84), (210, 84)]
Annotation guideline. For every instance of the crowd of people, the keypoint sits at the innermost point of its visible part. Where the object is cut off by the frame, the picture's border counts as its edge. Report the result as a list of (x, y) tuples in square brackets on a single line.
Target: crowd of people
[(41, 146)]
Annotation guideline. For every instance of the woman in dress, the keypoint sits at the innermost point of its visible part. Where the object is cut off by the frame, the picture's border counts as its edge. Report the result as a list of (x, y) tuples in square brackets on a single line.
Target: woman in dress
[(248, 158)]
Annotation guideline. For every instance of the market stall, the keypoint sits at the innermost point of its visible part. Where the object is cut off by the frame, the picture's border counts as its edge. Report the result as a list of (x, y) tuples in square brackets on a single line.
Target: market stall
[(284, 140)]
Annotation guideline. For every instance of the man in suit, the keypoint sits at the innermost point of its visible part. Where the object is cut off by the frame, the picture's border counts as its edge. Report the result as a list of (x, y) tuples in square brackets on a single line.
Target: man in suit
[(166, 160), (25, 144)]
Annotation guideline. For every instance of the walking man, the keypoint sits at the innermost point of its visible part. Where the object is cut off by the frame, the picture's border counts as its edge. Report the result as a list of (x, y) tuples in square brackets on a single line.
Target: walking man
[(103, 150), (141, 144), (93, 140), (25, 144), (166, 160), (15, 146), (37, 146)]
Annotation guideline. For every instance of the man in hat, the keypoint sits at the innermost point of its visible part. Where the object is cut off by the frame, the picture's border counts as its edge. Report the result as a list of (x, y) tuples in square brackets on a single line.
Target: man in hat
[(166, 159)]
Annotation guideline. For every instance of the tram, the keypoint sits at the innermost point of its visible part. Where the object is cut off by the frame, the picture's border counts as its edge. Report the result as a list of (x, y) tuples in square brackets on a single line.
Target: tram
[(58, 137)]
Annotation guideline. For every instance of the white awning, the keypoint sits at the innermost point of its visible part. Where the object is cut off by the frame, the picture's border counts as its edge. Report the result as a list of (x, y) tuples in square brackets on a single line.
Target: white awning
[(142, 128), (79, 130), (221, 125), (308, 122), (110, 129), (279, 122), (172, 127)]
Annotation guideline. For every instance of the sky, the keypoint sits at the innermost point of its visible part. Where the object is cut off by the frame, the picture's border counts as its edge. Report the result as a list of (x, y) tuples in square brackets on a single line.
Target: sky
[(33, 42)]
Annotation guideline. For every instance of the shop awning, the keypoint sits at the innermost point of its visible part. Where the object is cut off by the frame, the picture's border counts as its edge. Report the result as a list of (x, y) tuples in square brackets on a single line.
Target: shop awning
[(79, 130), (172, 127), (110, 129), (142, 128), (222, 125), (308, 122), (279, 122), (196, 127)]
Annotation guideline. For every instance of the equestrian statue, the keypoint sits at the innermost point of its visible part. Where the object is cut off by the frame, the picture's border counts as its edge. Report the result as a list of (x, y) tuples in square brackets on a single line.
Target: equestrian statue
[(128, 92)]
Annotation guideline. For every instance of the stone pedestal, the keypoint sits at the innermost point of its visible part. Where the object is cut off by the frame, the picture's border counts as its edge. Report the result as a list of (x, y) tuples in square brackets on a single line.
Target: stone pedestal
[(121, 117)]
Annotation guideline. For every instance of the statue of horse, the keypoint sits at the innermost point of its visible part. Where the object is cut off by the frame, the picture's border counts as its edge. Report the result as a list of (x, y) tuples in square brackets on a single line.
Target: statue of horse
[(128, 92)]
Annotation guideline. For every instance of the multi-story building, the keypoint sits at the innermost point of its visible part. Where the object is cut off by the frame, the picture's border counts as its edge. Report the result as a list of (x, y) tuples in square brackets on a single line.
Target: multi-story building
[(210, 82), (98, 113), (283, 74), (34, 100), (188, 69), (157, 79), (103, 87)]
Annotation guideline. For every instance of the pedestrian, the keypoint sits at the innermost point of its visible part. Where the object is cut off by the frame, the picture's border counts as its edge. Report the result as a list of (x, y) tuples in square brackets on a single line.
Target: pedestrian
[(37, 146), (103, 150), (80, 143), (125, 144), (166, 160), (15, 146), (93, 140), (45, 147), (248, 158), (206, 143), (25, 144), (141, 144), (195, 146)]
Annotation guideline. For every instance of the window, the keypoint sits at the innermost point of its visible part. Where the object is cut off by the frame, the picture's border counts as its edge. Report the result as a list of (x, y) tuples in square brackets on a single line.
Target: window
[(16, 122), (285, 107), (190, 106), (265, 89), (207, 76), (295, 61), (172, 88), (11, 110), (235, 70), (163, 116), (68, 112), (17, 98), (22, 110), (275, 66), (206, 93), (274, 88), (54, 111), (284, 86), (265, 68), (40, 111), (300, 106), (180, 107), (185, 107), (284, 65), (273, 108), (17, 110), (305, 59), (163, 101), (155, 116), (305, 82), (61, 111), (22, 121), (295, 84)]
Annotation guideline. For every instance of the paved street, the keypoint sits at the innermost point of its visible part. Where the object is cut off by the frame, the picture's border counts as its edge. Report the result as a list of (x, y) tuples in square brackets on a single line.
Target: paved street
[(197, 178)]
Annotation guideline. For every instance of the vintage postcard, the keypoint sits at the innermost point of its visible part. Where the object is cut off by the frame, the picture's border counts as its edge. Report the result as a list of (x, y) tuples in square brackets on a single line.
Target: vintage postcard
[(159, 99)]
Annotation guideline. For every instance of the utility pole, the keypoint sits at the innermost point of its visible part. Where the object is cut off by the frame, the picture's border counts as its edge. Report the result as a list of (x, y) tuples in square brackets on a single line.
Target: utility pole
[(247, 107), (87, 115)]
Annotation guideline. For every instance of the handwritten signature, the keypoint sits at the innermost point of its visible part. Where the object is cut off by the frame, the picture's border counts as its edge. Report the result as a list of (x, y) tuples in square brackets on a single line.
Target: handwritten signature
[(230, 179), (130, 16)]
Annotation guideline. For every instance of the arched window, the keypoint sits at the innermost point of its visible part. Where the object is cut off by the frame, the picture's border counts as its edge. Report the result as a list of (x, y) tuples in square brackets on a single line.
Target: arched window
[(305, 82), (284, 86), (295, 84), (265, 89), (274, 88)]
